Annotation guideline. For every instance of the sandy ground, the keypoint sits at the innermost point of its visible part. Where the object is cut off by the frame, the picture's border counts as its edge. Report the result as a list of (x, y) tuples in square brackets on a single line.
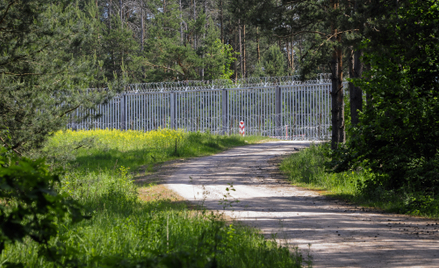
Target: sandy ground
[(341, 235)]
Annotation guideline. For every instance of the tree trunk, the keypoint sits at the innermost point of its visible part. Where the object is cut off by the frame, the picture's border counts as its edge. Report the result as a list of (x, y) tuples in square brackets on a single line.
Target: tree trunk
[(244, 74), (181, 24), (368, 96), (221, 21), (142, 30), (195, 35), (109, 32), (240, 46), (109, 17), (236, 61), (204, 37), (338, 135), (355, 93), (293, 69), (121, 25), (287, 44), (121, 12), (257, 41)]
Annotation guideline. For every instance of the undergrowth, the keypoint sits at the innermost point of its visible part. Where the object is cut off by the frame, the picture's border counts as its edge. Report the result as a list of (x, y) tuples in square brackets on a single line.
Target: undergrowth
[(307, 169), (125, 231)]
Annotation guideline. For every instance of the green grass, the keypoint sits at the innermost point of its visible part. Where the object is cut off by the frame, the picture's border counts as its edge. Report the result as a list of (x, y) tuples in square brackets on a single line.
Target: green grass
[(306, 169), (125, 231), (105, 149)]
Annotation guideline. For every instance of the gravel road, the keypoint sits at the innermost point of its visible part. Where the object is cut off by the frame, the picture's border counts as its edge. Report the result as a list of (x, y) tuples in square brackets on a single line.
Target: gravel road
[(340, 234)]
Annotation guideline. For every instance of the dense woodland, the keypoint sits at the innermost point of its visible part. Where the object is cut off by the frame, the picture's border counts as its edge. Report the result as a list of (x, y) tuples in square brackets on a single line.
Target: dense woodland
[(52, 51), (154, 41)]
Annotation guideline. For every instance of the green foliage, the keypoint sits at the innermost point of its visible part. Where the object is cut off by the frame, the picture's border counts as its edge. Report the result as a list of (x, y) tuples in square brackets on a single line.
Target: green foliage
[(43, 74), (259, 70), (31, 206), (168, 57), (274, 62), (310, 25), (218, 56), (308, 168), (398, 135)]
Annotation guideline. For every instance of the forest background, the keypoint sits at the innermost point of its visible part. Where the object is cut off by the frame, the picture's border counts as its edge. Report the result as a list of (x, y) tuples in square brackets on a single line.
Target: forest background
[(171, 40)]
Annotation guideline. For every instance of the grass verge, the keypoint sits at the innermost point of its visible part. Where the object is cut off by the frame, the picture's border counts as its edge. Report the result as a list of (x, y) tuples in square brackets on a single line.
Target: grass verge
[(306, 169), (147, 225)]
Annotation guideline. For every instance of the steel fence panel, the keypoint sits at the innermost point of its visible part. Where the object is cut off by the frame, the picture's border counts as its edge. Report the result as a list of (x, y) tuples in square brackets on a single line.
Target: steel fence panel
[(294, 111)]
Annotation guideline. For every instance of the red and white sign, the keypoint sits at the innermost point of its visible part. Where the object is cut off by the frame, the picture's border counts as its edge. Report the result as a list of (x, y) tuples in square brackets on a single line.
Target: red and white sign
[(242, 128)]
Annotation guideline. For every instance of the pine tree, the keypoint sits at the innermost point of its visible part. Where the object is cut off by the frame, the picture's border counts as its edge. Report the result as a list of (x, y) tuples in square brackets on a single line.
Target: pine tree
[(219, 56), (274, 62), (44, 74)]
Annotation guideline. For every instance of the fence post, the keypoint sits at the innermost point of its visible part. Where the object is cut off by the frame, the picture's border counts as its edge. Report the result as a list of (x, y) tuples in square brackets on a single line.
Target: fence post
[(225, 112), (278, 111), (121, 112), (124, 112), (172, 103)]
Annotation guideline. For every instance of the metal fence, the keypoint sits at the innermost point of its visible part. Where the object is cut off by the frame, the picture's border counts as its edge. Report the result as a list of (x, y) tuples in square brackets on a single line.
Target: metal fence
[(300, 111)]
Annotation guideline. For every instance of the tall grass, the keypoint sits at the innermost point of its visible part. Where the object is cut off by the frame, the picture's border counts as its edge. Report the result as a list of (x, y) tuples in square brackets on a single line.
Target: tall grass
[(307, 169), (99, 149), (125, 231)]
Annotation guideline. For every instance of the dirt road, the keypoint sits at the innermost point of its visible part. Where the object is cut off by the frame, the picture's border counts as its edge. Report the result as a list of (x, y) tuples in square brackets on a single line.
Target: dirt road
[(340, 235)]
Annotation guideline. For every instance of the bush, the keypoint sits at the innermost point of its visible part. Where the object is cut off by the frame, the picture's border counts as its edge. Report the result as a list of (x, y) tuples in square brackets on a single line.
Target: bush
[(30, 205), (308, 168)]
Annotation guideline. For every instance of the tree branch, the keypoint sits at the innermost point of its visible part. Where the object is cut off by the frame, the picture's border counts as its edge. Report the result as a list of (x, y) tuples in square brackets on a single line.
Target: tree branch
[(327, 39), (68, 111), (164, 67), (13, 149), (6, 11)]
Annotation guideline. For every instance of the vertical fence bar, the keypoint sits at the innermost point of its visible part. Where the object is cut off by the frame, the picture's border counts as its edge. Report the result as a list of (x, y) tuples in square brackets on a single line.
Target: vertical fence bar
[(278, 111), (122, 112), (225, 111), (172, 104)]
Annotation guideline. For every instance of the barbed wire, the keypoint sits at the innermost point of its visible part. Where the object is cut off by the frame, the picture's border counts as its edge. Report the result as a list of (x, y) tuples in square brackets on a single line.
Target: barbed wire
[(192, 85), (203, 85)]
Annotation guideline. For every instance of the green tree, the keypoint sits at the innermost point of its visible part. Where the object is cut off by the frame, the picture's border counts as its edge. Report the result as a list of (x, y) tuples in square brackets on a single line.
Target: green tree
[(274, 62), (169, 57), (43, 79), (259, 70), (218, 56), (44, 76), (165, 56), (398, 134)]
